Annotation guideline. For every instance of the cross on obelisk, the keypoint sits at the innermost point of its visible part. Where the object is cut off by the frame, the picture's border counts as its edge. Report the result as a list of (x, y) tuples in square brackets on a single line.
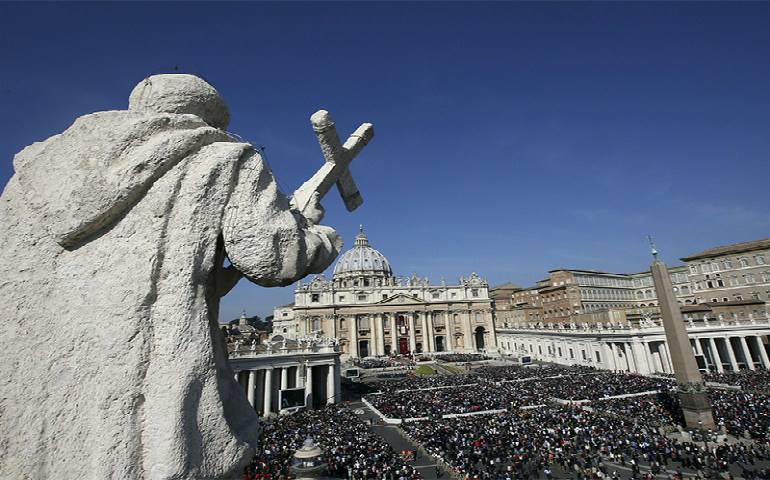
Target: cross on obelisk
[(690, 387), (335, 170)]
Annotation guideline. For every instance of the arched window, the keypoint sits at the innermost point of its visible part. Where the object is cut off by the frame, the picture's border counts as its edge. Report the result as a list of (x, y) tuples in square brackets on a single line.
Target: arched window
[(343, 324)]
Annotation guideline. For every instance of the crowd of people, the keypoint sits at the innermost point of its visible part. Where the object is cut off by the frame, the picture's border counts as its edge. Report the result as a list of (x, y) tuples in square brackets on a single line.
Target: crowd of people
[(525, 423), (376, 362), (352, 450), (502, 388), (569, 439)]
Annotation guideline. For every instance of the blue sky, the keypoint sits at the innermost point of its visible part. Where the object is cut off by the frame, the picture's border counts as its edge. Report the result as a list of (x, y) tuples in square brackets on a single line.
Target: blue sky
[(511, 138)]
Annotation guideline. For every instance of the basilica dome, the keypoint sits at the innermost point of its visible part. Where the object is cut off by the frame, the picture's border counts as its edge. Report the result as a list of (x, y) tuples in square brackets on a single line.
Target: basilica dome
[(362, 259)]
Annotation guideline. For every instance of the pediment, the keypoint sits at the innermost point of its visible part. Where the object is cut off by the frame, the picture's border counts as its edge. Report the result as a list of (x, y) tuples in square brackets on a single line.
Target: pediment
[(402, 299)]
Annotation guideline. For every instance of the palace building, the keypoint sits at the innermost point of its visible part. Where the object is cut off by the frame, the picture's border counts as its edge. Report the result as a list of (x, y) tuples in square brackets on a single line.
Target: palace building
[(370, 312)]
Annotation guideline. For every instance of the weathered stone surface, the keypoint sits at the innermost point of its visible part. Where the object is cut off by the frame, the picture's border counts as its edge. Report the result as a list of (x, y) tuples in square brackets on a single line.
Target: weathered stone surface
[(114, 236)]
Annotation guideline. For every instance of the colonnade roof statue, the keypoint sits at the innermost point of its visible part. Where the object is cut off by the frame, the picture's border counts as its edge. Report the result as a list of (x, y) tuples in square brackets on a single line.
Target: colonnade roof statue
[(114, 239)]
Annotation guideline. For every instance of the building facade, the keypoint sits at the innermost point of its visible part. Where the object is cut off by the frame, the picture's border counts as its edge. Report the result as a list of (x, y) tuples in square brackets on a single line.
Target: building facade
[(370, 312), (733, 279), (613, 320)]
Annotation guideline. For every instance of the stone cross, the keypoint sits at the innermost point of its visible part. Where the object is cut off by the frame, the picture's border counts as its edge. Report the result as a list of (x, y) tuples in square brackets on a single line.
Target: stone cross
[(338, 158)]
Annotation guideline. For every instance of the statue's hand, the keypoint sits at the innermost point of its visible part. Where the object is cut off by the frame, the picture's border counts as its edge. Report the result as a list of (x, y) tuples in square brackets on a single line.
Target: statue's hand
[(313, 211)]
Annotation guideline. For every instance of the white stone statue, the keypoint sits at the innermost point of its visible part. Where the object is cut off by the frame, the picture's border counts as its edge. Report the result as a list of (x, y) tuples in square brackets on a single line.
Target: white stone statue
[(114, 238)]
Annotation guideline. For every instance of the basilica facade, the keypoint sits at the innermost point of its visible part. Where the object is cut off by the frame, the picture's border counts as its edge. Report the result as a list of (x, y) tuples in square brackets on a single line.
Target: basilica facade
[(370, 312)]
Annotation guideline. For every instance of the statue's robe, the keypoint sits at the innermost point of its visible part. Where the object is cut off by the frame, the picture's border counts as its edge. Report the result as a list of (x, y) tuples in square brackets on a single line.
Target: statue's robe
[(114, 235)]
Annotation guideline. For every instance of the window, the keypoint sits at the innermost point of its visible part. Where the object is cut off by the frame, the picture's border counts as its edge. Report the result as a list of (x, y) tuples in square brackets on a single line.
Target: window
[(437, 319), (714, 267), (733, 279), (727, 264), (478, 317), (760, 259), (316, 324), (749, 277), (744, 262), (314, 297), (475, 292), (417, 321), (693, 269), (765, 276), (704, 268), (342, 298), (343, 324), (362, 297), (362, 322), (436, 295)]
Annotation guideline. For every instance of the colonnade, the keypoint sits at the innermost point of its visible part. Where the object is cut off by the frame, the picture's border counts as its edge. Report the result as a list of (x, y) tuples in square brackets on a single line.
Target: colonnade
[(397, 332), (642, 352), (264, 379)]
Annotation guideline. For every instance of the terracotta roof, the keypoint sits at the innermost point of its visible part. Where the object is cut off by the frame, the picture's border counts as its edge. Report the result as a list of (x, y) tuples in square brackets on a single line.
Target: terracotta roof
[(730, 249)]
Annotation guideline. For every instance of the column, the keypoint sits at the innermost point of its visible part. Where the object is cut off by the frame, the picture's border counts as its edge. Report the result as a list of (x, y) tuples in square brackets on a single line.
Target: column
[(337, 379), (331, 392), (698, 347), (354, 336), (762, 352), (309, 387), (267, 404), (284, 378), (715, 357), (430, 342), (298, 380), (645, 346), (665, 358), (631, 355), (731, 354), (251, 393), (746, 353), (394, 334), (491, 332), (412, 336), (379, 333), (656, 359), (612, 355), (449, 329), (603, 348), (467, 327)]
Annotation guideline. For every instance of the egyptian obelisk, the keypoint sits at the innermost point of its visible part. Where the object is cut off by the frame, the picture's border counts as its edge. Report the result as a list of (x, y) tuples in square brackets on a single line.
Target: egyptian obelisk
[(691, 388)]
